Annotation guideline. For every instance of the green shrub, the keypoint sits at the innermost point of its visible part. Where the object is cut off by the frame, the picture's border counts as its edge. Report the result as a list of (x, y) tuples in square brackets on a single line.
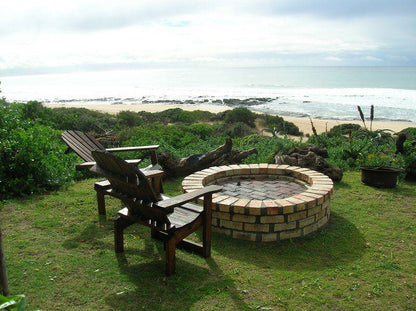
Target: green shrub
[(128, 119), (343, 129), (179, 140), (240, 114), (31, 155), (267, 147), (276, 124), (177, 115), (234, 130)]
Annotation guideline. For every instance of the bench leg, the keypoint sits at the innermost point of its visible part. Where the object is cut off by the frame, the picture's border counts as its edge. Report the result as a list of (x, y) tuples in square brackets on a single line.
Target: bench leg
[(170, 247), (101, 202)]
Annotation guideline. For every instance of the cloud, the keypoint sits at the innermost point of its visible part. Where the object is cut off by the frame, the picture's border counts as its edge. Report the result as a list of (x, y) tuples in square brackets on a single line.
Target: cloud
[(333, 59), (88, 15), (48, 35)]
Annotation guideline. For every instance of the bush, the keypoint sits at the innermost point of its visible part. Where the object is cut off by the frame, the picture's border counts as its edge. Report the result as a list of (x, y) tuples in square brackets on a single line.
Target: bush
[(178, 140), (343, 129), (278, 124), (240, 114), (267, 147), (128, 119), (234, 130), (32, 156)]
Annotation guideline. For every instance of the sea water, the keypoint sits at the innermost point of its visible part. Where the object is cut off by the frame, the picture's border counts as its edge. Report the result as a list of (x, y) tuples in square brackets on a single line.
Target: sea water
[(318, 92)]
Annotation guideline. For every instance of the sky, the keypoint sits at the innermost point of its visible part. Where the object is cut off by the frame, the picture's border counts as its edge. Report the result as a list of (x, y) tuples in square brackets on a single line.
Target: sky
[(83, 35)]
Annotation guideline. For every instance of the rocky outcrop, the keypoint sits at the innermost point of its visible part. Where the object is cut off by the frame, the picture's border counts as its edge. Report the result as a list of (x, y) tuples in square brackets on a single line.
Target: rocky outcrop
[(312, 157)]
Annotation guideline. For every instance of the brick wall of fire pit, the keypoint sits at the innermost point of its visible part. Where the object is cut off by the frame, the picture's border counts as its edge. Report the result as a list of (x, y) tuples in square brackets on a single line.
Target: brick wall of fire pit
[(265, 202)]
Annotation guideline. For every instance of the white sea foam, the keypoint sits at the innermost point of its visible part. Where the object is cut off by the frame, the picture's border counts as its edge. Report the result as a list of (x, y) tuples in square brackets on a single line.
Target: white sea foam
[(330, 93)]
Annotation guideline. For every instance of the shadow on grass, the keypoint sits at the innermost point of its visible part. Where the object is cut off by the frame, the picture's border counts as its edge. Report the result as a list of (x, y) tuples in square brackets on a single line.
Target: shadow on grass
[(92, 234), (342, 185), (337, 244), (181, 291)]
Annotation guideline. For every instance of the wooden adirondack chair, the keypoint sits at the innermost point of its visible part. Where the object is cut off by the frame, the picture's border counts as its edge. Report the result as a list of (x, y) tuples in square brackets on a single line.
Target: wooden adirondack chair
[(170, 219), (83, 144)]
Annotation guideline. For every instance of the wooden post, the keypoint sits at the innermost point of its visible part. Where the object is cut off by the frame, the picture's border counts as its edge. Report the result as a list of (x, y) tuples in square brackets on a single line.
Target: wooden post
[(100, 202), (153, 157), (3, 273), (206, 231), (170, 246)]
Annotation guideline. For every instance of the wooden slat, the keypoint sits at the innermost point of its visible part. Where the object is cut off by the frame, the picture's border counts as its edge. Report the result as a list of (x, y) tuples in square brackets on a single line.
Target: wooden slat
[(188, 197), (87, 165), (138, 148), (82, 144), (74, 144)]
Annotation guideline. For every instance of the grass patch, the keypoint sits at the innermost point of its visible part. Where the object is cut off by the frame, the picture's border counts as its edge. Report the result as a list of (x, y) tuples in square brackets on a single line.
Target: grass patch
[(59, 253)]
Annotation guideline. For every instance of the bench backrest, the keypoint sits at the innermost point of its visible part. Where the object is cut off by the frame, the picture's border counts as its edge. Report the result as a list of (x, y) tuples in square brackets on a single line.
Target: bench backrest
[(82, 144)]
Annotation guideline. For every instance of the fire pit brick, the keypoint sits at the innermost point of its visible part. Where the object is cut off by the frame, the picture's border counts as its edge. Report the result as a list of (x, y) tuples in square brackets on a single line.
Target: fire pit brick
[(265, 202)]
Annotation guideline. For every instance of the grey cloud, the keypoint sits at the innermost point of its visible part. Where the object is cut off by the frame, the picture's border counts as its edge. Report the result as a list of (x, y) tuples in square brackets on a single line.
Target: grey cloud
[(95, 15), (340, 9)]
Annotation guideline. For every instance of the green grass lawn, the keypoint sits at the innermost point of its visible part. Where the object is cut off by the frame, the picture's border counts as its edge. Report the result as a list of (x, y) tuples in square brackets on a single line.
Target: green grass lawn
[(59, 253)]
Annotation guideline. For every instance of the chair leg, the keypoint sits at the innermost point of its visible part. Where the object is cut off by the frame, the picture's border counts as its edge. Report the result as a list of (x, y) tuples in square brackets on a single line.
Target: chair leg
[(170, 246), (101, 202), (119, 225), (206, 229)]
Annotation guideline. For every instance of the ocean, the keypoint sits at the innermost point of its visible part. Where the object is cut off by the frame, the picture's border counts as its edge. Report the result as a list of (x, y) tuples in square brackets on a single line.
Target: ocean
[(318, 92)]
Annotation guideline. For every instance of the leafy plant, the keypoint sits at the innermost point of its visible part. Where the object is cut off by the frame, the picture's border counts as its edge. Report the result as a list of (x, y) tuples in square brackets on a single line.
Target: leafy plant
[(32, 155), (17, 303), (240, 114), (382, 159), (276, 124)]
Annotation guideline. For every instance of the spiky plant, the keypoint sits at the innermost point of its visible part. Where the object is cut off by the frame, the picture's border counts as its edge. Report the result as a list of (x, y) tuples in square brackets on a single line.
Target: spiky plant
[(371, 117), (362, 116)]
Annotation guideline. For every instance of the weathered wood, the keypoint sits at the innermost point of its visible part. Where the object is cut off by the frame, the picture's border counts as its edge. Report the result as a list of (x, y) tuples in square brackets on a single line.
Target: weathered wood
[(223, 155), (170, 219), (4, 290), (188, 197), (83, 144)]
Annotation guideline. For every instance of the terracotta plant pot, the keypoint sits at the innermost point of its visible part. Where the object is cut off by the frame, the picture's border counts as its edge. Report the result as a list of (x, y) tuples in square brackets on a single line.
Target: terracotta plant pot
[(380, 176)]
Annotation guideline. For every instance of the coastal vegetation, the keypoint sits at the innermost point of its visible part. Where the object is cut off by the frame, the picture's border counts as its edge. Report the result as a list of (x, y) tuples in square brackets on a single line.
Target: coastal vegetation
[(61, 256), (33, 157)]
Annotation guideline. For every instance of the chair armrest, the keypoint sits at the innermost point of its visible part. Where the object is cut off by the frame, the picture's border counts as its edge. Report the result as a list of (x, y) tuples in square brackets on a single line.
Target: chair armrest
[(138, 148), (153, 173), (188, 197), (87, 165)]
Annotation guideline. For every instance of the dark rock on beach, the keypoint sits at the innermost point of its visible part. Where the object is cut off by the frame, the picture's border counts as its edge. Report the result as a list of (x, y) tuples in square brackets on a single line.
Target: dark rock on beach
[(246, 102)]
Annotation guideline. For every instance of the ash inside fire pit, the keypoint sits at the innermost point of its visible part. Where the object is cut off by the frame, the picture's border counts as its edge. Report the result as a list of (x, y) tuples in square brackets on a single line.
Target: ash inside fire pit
[(261, 189)]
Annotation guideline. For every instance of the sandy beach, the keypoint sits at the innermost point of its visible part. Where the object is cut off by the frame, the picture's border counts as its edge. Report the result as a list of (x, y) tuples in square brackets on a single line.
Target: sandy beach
[(304, 124)]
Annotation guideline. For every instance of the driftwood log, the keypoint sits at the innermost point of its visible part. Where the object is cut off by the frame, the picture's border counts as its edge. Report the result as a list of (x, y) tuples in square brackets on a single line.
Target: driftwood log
[(311, 157), (223, 155)]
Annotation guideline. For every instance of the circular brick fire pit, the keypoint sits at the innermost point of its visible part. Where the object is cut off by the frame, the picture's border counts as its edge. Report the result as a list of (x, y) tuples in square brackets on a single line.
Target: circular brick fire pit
[(265, 202)]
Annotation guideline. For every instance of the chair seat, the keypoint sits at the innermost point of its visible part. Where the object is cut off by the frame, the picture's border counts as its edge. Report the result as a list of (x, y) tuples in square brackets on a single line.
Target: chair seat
[(181, 216)]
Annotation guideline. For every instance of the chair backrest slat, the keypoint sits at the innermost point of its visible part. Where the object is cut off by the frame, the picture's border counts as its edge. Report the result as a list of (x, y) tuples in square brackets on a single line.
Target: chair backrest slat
[(82, 144), (131, 186)]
